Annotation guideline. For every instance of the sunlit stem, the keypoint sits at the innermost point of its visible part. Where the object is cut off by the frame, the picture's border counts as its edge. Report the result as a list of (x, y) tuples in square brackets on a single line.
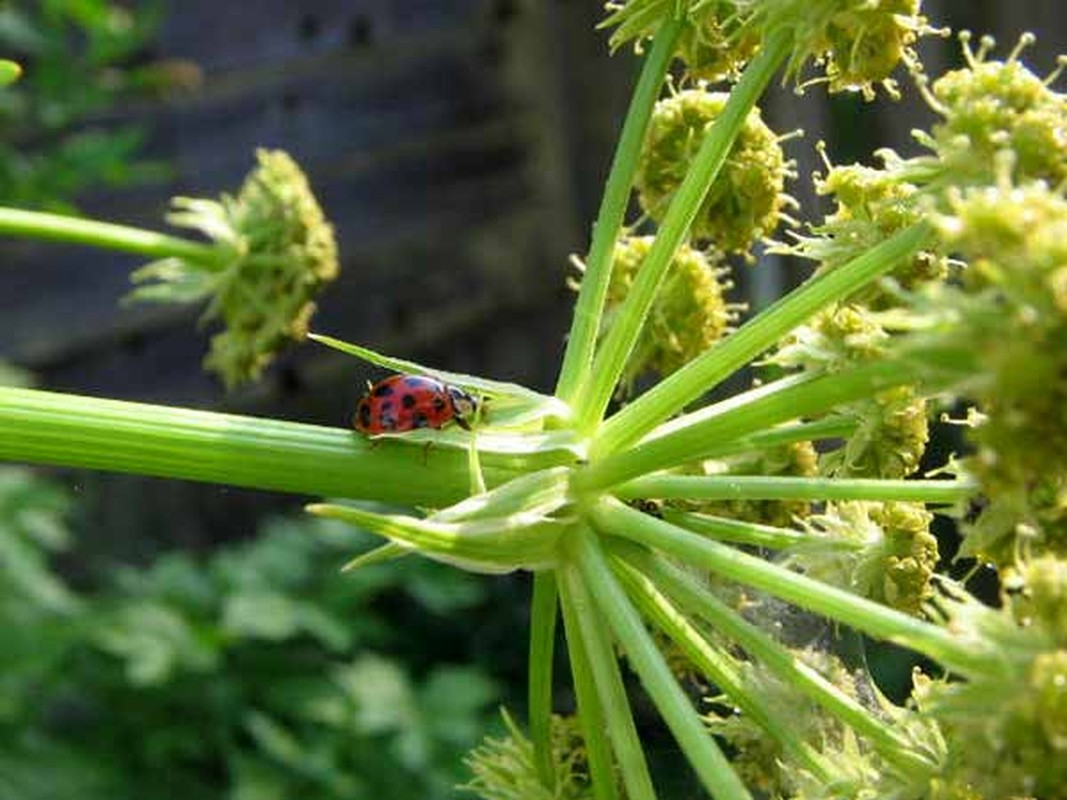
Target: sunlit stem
[(611, 358), (754, 337), (695, 599), (615, 518), (704, 756), (75, 230), (589, 307), (716, 666), (590, 711), (725, 529), (583, 619), (759, 487), (694, 436), (542, 650)]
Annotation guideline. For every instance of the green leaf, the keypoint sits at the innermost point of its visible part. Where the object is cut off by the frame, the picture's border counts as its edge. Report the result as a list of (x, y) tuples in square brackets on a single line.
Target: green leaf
[(495, 545), (501, 394)]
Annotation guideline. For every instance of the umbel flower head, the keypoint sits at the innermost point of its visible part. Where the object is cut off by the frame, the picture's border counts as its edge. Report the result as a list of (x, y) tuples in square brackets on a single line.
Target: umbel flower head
[(1016, 745), (891, 427), (276, 252), (745, 201), (883, 551), (990, 107), (504, 769), (1004, 330), (857, 43)]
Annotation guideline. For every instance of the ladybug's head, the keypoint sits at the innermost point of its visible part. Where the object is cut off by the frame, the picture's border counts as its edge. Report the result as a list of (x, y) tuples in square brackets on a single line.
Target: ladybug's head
[(464, 405)]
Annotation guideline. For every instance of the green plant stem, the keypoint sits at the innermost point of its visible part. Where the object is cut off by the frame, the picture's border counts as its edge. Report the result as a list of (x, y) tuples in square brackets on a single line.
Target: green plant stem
[(613, 517), (705, 757), (759, 487), (610, 360), (754, 337), (696, 435), (736, 531), (589, 307), (693, 598), (584, 624), (716, 666), (162, 441), (106, 235), (542, 649)]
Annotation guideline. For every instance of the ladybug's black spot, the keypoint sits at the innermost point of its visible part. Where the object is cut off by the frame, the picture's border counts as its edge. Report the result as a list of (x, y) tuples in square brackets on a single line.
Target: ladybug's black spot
[(408, 401), (387, 405), (438, 404), (420, 420), (388, 422), (364, 414), (382, 390)]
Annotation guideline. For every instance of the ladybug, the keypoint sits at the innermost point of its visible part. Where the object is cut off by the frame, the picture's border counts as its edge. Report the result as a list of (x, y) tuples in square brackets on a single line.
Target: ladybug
[(407, 402)]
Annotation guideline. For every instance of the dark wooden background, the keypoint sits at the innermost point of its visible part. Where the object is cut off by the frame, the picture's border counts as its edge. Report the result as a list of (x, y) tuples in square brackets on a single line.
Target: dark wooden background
[(459, 146)]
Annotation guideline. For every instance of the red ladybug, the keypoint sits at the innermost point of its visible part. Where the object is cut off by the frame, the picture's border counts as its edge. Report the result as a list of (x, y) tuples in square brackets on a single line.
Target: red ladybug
[(406, 402)]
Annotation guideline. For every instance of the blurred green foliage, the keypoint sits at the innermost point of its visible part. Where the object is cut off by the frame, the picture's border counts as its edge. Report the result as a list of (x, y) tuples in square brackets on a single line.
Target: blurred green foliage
[(257, 673), (81, 59)]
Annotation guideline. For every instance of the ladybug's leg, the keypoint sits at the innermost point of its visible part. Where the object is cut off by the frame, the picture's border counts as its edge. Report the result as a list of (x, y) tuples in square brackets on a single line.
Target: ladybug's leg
[(426, 453)]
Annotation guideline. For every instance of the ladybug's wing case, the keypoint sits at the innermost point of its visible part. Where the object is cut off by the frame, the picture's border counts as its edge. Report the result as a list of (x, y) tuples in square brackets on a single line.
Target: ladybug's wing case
[(403, 403)]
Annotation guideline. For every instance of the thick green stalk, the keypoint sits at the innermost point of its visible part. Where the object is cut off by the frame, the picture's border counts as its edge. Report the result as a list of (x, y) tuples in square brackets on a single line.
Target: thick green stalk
[(693, 598), (59, 228), (617, 519), (542, 649), (716, 666), (585, 325), (759, 487), (754, 337), (585, 623), (705, 757), (694, 436), (163, 441), (612, 356), (590, 712)]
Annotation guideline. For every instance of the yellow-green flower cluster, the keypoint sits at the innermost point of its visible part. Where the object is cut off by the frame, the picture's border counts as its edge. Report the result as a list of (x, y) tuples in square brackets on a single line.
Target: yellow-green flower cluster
[(277, 252), (891, 427), (713, 44), (882, 551), (990, 108), (870, 205), (1005, 330), (857, 43), (1006, 723), (688, 315), (745, 201), (504, 768)]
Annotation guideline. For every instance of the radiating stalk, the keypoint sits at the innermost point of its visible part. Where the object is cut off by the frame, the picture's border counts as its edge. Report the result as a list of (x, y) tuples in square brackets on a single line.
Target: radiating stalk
[(759, 334), (585, 326), (542, 650), (585, 631), (617, 519), (75, 230), (612, 356), (789, 487), (704, 756), (716, 666), (695, 599)]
